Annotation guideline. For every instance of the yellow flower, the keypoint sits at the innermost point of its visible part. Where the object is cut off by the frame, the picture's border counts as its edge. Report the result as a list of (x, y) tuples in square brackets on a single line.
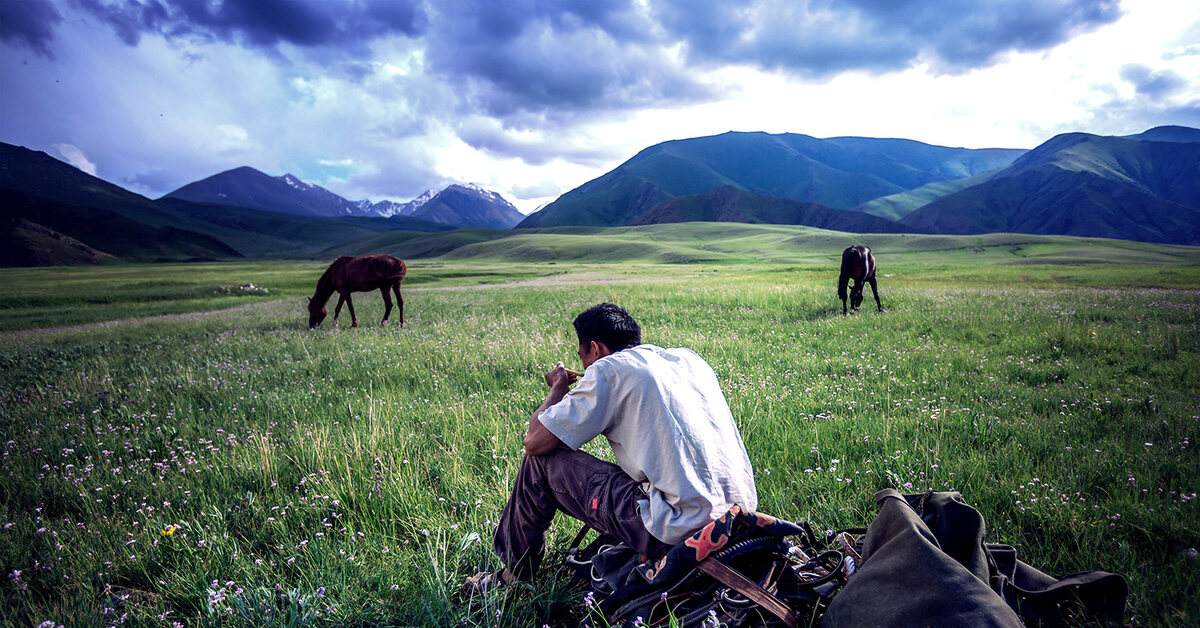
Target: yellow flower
[(169, 530)]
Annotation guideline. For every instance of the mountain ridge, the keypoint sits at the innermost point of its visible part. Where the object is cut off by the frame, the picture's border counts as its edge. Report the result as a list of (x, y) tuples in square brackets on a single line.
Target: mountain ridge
[(1083, 185), (457, 205), (1142, 187), (730, 204), (840, 172)]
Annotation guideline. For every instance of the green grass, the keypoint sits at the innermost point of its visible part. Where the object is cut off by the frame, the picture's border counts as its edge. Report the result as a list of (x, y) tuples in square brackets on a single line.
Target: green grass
[(361, 472), (53, 297), (735, 243)]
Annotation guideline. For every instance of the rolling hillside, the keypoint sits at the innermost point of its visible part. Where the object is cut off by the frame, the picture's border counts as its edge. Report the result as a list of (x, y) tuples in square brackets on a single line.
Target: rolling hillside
[(1082, 185), (56, 198), (23, 243), (59, 198), (899, 205), (684, 243), (729, 204), (838, 172)]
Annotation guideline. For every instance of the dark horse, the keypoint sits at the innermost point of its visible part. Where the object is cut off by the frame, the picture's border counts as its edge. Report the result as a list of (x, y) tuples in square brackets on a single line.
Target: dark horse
[(358, 274), (858, 264)]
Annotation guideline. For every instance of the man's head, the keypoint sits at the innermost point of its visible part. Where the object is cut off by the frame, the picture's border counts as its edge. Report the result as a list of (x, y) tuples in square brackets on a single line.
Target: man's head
[(607, 325)]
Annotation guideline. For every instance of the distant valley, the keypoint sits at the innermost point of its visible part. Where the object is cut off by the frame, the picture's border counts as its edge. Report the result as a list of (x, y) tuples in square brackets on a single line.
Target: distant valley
[(1144, 187)]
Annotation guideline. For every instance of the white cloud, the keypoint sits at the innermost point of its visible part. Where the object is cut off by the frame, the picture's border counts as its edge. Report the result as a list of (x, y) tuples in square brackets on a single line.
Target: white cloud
[(74, 156), (233, 132)]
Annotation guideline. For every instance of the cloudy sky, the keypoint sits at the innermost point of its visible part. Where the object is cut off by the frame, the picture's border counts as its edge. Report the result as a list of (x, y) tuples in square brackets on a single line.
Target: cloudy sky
[(531, 98)]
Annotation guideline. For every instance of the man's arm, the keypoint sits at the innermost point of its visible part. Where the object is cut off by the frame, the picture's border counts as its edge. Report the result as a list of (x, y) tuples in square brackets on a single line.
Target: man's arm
[(539, 440)]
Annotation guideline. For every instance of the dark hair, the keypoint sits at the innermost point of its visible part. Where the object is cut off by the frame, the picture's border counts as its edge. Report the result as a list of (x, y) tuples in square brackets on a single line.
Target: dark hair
[(609, 325)]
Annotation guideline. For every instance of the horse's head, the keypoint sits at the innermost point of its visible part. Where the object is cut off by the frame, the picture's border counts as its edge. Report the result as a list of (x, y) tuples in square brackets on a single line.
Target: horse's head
[(316, 313), (856, 296)]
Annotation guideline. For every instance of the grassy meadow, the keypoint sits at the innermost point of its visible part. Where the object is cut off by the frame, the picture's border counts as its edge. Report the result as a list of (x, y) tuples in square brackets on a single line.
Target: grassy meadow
[(208, 460)]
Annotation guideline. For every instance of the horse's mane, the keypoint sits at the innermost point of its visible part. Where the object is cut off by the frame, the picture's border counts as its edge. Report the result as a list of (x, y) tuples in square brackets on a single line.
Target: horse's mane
[(325, 283)]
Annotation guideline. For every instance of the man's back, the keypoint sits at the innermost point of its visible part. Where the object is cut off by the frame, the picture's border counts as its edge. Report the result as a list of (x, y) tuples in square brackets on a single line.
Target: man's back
[(670, 428)]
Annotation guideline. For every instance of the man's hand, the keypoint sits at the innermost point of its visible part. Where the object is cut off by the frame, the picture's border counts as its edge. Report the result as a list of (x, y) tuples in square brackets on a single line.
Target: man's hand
[(561, 376), (538, 439)]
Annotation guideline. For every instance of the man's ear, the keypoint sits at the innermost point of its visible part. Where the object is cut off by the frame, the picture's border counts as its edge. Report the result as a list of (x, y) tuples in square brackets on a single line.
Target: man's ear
[(600, 349)]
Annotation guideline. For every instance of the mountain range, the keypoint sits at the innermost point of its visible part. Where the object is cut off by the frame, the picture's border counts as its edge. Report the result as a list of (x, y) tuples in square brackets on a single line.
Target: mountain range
[(46, 204), (1132, 188), (457, 205), (730, 204), (1143, 187), (839, 172)]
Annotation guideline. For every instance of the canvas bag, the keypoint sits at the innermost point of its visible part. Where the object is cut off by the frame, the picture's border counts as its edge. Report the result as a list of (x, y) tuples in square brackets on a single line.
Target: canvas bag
[(925, 563)]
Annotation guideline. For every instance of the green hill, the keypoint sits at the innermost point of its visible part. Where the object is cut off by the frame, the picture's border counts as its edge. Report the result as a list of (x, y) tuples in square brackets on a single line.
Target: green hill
[(729, 204), (64, 200), (897, 206), (107, 230), (24, 243), (1082, 185), (838, 172), (719, 242)]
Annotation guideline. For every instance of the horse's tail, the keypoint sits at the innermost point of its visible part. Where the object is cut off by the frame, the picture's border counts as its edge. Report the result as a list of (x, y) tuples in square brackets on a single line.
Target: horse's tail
[(843, 281), (399, 269)]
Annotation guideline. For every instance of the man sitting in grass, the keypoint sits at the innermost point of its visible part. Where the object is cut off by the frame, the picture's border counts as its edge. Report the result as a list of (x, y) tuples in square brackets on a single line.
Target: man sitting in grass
[(680, 458)]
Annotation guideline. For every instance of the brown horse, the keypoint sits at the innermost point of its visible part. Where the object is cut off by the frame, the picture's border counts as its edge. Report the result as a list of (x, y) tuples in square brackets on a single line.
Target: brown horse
[(858, 263), (358, 274)]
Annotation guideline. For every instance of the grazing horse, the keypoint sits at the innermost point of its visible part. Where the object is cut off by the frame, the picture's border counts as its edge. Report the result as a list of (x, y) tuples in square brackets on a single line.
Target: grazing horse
[(358, 274), (858, 264)]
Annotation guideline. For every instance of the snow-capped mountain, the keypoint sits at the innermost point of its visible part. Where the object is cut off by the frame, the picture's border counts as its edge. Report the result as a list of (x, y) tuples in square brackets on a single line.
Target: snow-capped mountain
[(470, 206), (387, 209), (458, 205), (247, 187)]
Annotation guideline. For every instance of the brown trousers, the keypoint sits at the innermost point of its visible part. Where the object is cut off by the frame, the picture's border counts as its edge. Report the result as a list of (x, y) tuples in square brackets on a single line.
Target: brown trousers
[(596, 492)]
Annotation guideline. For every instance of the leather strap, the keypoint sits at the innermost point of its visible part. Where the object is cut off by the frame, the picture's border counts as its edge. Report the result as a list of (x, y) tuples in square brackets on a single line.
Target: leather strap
[(747, 587), (579, 536)]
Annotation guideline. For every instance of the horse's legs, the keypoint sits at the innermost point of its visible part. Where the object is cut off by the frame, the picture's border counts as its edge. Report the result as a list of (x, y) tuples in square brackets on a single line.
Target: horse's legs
[(875, 291), (843, 279), (338, 310), (387, 304), (399, 301), (353, 316)]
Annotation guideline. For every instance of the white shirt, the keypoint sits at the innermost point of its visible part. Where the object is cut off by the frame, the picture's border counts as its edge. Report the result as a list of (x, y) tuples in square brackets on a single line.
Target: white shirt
[(669, 427)]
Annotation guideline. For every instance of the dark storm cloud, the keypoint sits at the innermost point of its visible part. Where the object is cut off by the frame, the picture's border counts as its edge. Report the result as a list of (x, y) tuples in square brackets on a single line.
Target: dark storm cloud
[(551, 56), (575, 57), (1153, 84), (548, 55), (29, 23), (261, 23), (820, 38)]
